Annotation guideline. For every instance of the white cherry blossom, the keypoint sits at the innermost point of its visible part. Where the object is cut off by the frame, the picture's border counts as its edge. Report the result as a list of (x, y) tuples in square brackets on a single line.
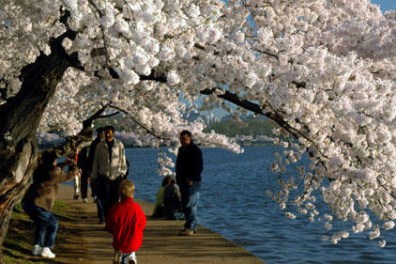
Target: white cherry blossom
[(325, 71)]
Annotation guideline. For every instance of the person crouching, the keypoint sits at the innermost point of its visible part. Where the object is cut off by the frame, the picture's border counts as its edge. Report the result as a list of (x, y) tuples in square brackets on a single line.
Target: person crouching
[(126, 222)]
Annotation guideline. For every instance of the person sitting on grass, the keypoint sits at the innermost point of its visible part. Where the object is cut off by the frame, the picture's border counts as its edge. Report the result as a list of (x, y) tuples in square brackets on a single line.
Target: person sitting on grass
[(40, 198), (126, 222)]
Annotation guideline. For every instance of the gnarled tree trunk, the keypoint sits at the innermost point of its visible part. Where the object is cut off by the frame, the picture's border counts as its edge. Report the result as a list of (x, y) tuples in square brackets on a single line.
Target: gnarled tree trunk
[(19, 120)]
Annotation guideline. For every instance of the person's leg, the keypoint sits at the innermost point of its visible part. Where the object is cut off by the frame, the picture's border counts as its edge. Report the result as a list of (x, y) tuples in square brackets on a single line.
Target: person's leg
[(191, 206), (113, 193), (52, 229), (105, 197), (33, 212), (124, 259), (76, 182), (39, 233), (184, 191), (116, 190), (84, 185), (101, 202), (99, 207), (177, 215), (93, 189), (129, 258), (46, 223), (118, 257), (132, 258)]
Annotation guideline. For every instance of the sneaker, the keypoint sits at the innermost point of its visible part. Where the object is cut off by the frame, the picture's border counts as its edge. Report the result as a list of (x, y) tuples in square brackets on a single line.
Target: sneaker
[(132, 258), (47, 253), (186, 232), (85, 200), (37, 249)]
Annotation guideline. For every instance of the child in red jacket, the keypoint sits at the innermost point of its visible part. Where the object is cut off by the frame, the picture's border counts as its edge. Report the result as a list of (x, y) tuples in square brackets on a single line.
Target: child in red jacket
[(126, 222)]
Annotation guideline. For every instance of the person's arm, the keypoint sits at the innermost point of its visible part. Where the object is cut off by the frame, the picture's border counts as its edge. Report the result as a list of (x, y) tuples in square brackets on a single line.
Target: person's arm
[(91, 155), (177, 192), (123, 167), (197, 164), (110, 220), (68, 175)]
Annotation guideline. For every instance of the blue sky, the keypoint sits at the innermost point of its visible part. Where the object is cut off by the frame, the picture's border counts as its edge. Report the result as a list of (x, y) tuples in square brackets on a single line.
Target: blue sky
[(385, 4)]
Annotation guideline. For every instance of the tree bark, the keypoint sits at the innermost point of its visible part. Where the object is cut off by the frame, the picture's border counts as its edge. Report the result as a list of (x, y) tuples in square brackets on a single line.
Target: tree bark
[(19, 120)]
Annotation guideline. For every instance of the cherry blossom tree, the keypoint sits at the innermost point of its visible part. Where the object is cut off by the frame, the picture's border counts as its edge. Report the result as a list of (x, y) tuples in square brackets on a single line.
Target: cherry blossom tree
[(324, 70)]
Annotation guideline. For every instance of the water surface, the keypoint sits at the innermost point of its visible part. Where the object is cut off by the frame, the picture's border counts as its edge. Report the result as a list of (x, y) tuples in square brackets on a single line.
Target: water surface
[(234, 203)]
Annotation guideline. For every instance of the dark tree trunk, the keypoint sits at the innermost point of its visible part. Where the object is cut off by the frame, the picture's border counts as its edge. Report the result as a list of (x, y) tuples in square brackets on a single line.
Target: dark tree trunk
[(19, 120)]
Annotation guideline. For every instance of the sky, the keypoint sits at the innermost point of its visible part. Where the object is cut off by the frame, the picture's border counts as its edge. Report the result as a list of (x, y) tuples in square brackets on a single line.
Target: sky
[(385, 4)]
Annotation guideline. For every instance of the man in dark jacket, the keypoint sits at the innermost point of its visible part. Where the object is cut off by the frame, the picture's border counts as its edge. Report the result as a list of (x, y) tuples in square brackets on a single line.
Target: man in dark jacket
[(189, 166)]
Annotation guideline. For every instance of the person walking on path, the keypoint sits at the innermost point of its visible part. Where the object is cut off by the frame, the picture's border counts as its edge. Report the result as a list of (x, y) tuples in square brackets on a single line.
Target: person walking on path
[(77, 179), (109, 169), (86, 169), (40, 198), (100, 136), (189, 166), (126, 222)]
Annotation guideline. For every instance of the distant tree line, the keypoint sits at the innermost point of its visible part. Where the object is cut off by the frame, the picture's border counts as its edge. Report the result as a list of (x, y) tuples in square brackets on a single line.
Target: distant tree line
[(249, 126)]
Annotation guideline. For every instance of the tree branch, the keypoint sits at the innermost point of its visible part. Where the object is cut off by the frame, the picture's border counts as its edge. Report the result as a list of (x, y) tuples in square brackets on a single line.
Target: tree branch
[(103, 33), (153, 77), (140, 124), (255, 108), (73, 143)]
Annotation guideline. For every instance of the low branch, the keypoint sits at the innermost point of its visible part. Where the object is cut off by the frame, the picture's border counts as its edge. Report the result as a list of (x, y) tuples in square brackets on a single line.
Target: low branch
[(233, 98), (87, 123), (253, 107), (273, 115), (84, 137), (106, 54), (257, 109), (153, 77), (140, 124), (265, 52), (299, 84)]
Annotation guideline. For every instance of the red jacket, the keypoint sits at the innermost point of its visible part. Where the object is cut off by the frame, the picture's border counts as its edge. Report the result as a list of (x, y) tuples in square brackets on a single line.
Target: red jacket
[(126, 222)]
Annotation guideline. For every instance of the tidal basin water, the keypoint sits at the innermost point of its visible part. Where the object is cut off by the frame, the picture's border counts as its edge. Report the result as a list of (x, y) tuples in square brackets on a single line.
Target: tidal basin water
[(234, 203)]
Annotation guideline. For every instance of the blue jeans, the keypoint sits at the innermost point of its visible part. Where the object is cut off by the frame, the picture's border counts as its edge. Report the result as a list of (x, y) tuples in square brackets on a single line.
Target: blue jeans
[(99, 206), (190, 197), (46, 225)]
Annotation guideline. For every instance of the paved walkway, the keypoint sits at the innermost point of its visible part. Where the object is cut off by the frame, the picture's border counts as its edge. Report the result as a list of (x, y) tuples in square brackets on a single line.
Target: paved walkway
[(85, 241)]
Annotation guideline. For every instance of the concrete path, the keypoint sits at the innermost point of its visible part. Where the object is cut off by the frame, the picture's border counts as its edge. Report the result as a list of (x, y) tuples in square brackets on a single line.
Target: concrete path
[(85, 241)]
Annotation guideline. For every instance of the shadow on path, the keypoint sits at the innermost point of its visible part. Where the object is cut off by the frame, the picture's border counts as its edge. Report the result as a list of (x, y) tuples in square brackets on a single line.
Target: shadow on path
[(85, 241)]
